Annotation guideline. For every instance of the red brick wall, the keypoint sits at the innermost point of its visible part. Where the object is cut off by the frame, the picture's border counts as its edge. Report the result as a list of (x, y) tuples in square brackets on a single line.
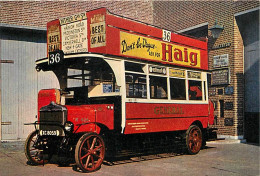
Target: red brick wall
[(38, 13)]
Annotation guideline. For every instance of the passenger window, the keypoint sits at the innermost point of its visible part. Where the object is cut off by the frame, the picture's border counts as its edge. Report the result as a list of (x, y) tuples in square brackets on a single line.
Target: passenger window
[(158, 87), (178, 89), (135, 86), (195, 90)]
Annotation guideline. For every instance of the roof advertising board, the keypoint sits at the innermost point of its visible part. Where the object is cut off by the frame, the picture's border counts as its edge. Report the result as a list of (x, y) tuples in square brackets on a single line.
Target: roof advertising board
[(152, 49), (101, 32)]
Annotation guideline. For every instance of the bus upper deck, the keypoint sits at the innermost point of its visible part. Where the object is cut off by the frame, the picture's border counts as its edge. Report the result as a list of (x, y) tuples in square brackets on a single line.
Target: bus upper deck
[(101, 32)]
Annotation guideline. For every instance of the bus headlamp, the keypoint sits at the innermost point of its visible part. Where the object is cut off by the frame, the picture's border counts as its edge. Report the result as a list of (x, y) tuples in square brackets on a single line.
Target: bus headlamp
[(69, 127), (37, 127)]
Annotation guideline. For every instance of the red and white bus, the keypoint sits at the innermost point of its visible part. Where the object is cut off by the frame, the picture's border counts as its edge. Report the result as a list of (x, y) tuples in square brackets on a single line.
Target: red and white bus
[(123, 83)]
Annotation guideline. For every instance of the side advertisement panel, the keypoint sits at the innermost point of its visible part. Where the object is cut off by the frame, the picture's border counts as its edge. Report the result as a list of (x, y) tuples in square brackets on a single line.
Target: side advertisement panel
[(156, 50)]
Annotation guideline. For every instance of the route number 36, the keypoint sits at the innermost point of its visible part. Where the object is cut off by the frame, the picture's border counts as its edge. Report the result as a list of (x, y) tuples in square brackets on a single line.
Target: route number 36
[(55, 57), (166, 36)]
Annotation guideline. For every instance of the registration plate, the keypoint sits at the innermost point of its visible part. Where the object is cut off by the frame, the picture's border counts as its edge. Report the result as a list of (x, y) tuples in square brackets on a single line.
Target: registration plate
[(49, 132)]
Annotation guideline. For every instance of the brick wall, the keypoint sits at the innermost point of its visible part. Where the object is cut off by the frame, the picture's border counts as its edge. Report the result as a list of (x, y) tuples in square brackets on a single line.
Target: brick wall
[(178, 15), (38, 13)]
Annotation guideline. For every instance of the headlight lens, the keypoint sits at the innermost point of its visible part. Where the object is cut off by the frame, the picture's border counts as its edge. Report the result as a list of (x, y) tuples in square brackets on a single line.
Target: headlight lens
[(37, 127), (69, 126)]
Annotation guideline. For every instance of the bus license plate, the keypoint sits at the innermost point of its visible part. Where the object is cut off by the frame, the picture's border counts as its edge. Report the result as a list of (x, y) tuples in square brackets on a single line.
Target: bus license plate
[(48, 133)]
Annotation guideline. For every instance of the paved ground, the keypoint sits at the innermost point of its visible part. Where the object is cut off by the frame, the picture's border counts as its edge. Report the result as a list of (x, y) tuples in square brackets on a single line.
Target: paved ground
[(220, 158)]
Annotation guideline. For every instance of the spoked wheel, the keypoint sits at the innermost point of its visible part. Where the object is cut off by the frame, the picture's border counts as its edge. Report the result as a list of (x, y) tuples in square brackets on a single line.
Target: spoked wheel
[(34, 149), (90, 152), (193, 140)]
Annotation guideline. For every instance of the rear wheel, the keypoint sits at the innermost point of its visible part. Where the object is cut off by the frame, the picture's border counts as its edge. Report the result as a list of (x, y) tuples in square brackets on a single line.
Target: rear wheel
[(34, 149), (193, 139), (90, 152)]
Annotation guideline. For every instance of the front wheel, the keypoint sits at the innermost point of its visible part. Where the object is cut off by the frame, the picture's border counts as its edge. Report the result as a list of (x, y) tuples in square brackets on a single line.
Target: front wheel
[(90, 152), (34, 149), (193, 139)]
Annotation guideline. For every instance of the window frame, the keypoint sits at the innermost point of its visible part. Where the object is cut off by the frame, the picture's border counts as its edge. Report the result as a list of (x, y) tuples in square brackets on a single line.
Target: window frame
[(202, 78)]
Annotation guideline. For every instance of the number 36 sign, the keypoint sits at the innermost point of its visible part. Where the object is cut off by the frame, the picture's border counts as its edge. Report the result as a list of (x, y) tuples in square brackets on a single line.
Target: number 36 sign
[(166, 36), (55, 57)]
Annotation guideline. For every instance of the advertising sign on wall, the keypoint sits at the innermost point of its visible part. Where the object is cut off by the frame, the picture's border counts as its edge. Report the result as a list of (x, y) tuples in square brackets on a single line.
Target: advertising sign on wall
[(220, 61), (220, 77)]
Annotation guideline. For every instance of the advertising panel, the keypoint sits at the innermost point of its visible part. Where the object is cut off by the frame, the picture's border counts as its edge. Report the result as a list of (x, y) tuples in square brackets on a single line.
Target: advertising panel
[(53, 38), (152, 49), (74, 33), (195, 75), (97, 31), (177, 73), (101, 32), (157, 70)]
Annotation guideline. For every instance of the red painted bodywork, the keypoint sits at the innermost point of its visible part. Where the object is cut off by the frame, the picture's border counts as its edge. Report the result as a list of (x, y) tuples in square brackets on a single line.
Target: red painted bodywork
[(46, 96), (115, 24), (93, 115), (147, 117), (211, 113)]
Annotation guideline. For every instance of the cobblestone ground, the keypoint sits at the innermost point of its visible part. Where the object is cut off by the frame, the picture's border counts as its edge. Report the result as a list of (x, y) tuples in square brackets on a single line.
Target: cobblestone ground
[(219, 158)]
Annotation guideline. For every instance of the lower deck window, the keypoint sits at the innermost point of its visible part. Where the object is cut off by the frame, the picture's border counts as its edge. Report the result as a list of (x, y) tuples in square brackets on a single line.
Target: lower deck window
[(136, 86), (178, 89), (158, 87), (195, 90)]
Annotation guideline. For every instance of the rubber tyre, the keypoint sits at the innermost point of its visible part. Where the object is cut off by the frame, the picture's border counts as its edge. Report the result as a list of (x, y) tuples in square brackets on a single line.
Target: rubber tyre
[(193, 140), (32, 154), (90, 152)]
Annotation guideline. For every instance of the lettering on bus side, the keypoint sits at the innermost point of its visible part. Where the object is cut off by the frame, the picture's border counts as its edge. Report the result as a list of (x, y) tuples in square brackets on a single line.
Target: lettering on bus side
[(168, 110), (179, 55)]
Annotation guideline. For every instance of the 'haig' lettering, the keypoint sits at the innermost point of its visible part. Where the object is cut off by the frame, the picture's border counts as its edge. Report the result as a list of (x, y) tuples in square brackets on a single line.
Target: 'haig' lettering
[(179, 55)]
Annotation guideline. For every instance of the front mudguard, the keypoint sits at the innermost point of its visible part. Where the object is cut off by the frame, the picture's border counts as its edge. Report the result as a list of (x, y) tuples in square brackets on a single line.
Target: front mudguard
[(88, 127)]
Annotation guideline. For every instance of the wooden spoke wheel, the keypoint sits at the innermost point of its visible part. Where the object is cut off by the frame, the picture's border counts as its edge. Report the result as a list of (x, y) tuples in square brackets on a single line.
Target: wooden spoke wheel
[(34, 149), (90, 152), (193, 139)]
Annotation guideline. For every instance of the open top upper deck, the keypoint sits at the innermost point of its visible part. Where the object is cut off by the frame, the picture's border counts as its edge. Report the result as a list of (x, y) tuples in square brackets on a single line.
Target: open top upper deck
[(101, 32)]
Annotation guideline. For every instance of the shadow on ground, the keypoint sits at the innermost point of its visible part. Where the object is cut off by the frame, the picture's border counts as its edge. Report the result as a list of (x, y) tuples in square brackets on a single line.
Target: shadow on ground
[(125, 158)]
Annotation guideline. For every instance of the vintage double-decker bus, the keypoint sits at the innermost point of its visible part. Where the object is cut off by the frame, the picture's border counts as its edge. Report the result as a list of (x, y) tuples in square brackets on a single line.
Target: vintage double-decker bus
[(123, 84)]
